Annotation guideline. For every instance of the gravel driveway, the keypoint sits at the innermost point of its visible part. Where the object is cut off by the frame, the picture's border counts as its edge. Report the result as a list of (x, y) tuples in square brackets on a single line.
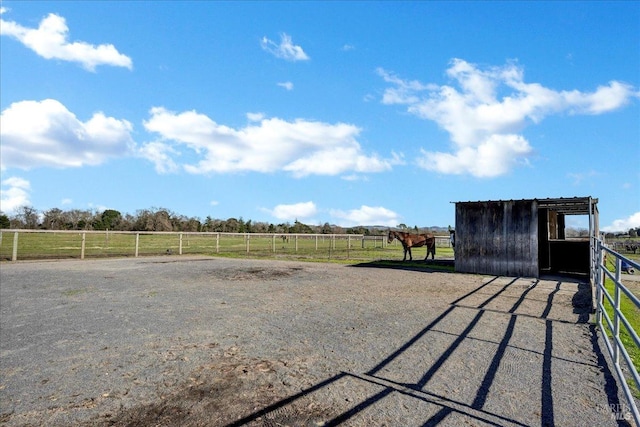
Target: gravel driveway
[(199, 341)]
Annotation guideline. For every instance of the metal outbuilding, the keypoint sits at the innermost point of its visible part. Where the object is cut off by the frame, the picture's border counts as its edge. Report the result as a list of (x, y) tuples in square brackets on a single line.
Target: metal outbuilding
[(523, 238)]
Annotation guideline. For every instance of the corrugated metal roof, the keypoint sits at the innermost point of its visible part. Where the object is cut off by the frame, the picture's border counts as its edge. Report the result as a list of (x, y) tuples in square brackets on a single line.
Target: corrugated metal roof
[(565, 205)]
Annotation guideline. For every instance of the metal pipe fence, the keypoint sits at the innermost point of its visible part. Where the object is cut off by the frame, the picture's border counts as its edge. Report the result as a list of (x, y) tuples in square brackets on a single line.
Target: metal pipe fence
[(42, 244), (612, 298)]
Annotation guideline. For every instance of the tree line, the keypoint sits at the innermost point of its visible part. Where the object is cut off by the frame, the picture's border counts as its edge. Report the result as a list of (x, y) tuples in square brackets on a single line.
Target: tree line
[(161, 219)]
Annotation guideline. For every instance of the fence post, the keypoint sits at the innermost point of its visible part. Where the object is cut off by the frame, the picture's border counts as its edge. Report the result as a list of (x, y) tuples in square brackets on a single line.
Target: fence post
[(137, 243), (296, 243), (180, 247), (316, 242), (273, 243), (247, 238), (14, 256), (599, 281), (217, 243), (84, 238)]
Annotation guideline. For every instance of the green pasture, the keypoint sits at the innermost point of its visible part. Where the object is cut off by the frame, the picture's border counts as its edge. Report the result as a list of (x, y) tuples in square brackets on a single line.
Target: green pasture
[(51, 245), (630, 312)]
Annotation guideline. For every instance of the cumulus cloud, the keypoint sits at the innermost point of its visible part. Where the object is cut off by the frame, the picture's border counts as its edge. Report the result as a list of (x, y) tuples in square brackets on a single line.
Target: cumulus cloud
[(624, 225), (300, 147), (294, 211), (50, 41), (14, 193), (159, 154), (255, 117), (45, 133), (285, 50), (286, 85), (365, 215), (485, 109)]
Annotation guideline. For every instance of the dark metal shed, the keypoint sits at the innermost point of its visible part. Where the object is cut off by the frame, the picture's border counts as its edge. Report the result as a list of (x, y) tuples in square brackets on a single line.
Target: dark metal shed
[(522, 237)]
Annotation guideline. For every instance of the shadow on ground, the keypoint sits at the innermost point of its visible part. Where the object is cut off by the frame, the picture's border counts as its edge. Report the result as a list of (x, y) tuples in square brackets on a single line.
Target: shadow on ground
[(497, 297), (475, 410)]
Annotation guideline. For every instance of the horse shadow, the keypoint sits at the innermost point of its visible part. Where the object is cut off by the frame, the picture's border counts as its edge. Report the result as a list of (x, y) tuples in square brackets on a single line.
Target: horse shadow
[(427, 266)]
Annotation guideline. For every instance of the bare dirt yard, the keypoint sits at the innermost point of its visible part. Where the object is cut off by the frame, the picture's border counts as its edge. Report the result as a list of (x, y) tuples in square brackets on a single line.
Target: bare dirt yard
[(200, 341)]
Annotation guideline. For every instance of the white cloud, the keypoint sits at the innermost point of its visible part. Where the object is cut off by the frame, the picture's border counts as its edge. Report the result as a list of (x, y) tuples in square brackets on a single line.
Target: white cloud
[(255, 117), (366, 215), (294, 211), (579, 177), (159, 154), (624, 225), (49, 41), (484, 126), (494, 157), (66, 201), (214, 203), (285, 50), (45, 133), (286, 85), (14, 194), (300, 147)]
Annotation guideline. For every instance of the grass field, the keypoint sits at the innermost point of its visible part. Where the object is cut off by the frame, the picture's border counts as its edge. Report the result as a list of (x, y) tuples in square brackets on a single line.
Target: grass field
[(630, 311), (355, 248)]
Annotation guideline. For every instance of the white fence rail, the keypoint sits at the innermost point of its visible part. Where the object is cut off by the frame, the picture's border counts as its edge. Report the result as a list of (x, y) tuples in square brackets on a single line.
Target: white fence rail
[(614, 326), (37, 244)]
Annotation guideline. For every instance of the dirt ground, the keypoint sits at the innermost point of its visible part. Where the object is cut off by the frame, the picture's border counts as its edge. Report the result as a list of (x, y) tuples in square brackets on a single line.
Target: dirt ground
[(199, 341)]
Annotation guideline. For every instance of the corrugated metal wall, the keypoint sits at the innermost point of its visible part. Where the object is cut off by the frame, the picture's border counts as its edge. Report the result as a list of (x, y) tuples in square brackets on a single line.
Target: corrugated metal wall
[(497, 237)]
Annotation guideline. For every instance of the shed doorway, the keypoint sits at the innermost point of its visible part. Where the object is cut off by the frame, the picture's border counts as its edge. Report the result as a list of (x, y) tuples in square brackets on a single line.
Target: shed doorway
[(559, 253)]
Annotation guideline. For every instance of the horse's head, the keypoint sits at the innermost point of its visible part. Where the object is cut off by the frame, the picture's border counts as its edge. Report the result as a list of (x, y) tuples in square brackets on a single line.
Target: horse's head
[(391, 236)]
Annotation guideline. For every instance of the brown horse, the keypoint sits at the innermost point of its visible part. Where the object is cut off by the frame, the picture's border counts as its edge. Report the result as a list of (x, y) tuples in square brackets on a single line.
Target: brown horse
[(414, 241)]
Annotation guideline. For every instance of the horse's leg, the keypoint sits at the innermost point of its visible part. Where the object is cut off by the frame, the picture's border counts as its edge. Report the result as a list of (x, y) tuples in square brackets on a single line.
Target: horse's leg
[(405, 253), (410, 256)]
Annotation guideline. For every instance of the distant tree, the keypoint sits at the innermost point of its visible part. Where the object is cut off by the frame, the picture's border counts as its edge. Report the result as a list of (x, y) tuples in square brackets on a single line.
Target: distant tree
[(4, 221), (242, 226), (191, 225), (127, 222), (283, 228), (633, 232), (300, 228), (53, 219), (402, 226), (77, 219), (155, 219), (358, 230), (326, 228), (109, 219), (26, 217), (261, 227)]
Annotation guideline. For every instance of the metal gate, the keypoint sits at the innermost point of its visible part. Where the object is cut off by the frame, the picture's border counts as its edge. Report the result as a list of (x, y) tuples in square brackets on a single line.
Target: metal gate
[(607, 269)]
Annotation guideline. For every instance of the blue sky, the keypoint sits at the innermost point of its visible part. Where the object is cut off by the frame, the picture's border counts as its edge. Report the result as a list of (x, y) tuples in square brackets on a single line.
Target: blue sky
[(351, 113)]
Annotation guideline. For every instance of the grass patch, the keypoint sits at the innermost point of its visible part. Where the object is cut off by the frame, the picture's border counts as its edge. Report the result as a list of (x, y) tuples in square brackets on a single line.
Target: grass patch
[(632, 314), (74, 292), (320, 248)]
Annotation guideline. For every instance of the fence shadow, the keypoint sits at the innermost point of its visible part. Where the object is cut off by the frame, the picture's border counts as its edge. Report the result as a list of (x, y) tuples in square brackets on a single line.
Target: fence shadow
[(474, 408)]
